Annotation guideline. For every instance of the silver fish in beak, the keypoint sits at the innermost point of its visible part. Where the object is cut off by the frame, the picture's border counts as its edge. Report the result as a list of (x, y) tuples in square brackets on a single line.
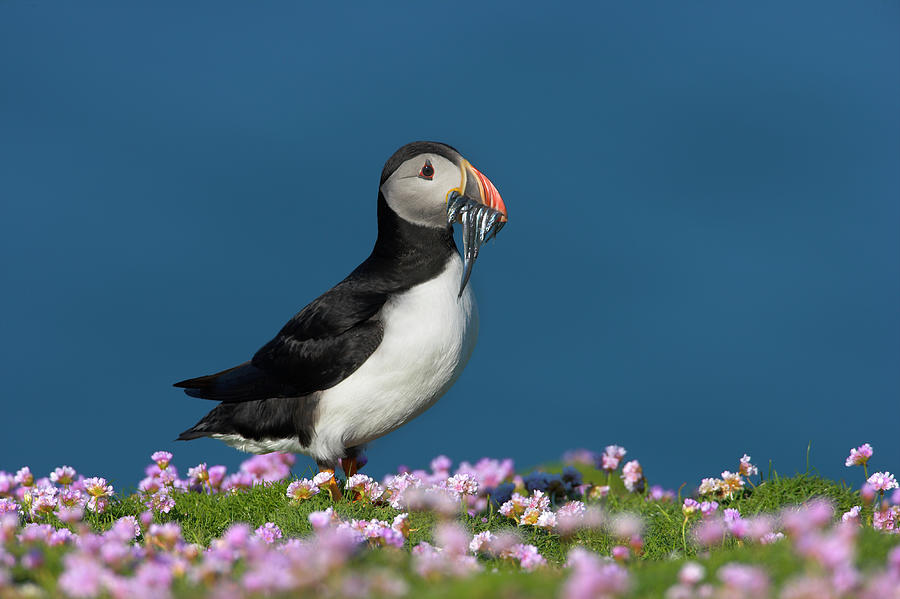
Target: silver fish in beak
[(481, 212)]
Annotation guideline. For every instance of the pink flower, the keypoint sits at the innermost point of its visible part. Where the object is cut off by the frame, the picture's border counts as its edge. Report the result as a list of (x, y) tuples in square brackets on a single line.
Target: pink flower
[(886, 519), (710, 486), (268, 532), (758, 527), (625, 525), (798, 521), (867, 493), (748, 580), (7, 483), (35, 533), (198, 475), (166, 536), (691, 573), (852, 515), (599, 492), (302, 489), (61, 537), (580, 456), (452, 538), (43, 500), (633, 476), (731, 483), (323, 479), (529, 516), (323, 519), (574, 516), (690, 507), (160, 502), (24, 477), (162, 459), (528, 557), (657, 493), (736, 525), (746, 468), (154, 578), (708, 508), (432, 562), (621, 553), (441, 465), (72, 498), (63, 475), (481, 542), (365, 486), (859, 456), (396, 485), (269, 467), (611, 457), (488, 472), (592, 579), (358, 482), (99, 492), (710, 532), (149, 485), (401, 524), (546, 520), (882, 481), (463, 484), (9, 506), (82, 576), (216, 475), (98, 487)]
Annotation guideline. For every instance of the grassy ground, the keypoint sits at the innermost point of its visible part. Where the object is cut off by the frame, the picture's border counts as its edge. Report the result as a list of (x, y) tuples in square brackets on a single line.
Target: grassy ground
[(205, 517)]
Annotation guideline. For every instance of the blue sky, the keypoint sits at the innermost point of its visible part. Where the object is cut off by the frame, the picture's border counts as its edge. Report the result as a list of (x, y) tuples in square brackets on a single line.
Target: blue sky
[(701, 261)]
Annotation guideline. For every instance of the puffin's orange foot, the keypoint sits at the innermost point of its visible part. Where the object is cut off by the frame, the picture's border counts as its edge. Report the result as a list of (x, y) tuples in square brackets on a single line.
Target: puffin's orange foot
[(349, 465)]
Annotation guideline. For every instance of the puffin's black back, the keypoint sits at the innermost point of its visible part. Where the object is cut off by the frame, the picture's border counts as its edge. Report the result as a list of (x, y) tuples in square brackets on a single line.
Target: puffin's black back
[(335, 333)]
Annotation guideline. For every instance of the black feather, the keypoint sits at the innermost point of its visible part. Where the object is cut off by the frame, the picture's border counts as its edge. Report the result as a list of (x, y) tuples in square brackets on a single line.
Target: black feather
[(332, 336)]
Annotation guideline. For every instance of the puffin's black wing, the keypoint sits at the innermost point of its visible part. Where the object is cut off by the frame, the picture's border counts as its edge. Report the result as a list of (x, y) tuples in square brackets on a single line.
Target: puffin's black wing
[(318, 348)]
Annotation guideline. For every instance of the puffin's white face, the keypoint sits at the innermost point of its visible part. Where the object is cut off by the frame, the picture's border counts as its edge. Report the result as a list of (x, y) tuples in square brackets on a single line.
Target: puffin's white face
[(417, 191)]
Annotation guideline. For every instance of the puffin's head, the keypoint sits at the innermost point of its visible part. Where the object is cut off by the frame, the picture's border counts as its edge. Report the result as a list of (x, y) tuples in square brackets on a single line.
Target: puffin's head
[(418, 180)]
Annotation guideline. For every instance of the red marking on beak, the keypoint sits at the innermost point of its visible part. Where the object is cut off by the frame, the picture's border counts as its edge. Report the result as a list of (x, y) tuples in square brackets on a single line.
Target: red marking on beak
[(489, 194)]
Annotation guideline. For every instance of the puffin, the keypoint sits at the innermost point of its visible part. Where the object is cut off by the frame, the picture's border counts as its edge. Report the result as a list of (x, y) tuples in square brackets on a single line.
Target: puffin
[(381, 346)]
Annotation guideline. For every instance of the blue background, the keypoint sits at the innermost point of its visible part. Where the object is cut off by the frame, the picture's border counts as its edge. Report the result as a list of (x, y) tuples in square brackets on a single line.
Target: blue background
[(702, 258)]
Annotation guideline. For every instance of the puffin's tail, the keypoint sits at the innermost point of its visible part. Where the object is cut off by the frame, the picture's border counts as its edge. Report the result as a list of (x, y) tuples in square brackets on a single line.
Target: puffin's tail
[(273, 418), (219, 421), (244, 382)]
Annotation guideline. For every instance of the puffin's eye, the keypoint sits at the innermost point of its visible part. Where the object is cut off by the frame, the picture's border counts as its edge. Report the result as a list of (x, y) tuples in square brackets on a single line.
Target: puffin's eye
[(427, 171)]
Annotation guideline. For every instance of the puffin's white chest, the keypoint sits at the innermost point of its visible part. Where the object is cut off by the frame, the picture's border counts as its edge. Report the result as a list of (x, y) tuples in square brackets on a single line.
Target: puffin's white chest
[(429, 335)]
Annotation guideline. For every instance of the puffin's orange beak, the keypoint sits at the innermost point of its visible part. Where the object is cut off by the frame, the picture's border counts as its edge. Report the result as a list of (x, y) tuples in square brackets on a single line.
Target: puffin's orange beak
[(488, 194), (476, 204)]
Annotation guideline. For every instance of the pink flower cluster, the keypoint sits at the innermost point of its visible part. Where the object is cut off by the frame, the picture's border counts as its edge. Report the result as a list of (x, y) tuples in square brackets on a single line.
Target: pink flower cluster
[(593, 578), (140, 557), (828, 548), (730, 484), (161, 483), (507, 546), (886, 511), (64, 494)]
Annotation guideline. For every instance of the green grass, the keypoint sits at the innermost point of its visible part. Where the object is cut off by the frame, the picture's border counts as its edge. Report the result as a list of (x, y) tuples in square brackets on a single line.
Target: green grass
[(205, 517)]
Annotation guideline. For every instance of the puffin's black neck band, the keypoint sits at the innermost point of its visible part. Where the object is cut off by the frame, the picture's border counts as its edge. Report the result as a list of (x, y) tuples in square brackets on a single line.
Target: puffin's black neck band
[(405, 253)]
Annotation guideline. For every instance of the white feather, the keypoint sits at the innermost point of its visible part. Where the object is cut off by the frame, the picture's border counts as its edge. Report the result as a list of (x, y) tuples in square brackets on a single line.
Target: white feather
[(429, 335)]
